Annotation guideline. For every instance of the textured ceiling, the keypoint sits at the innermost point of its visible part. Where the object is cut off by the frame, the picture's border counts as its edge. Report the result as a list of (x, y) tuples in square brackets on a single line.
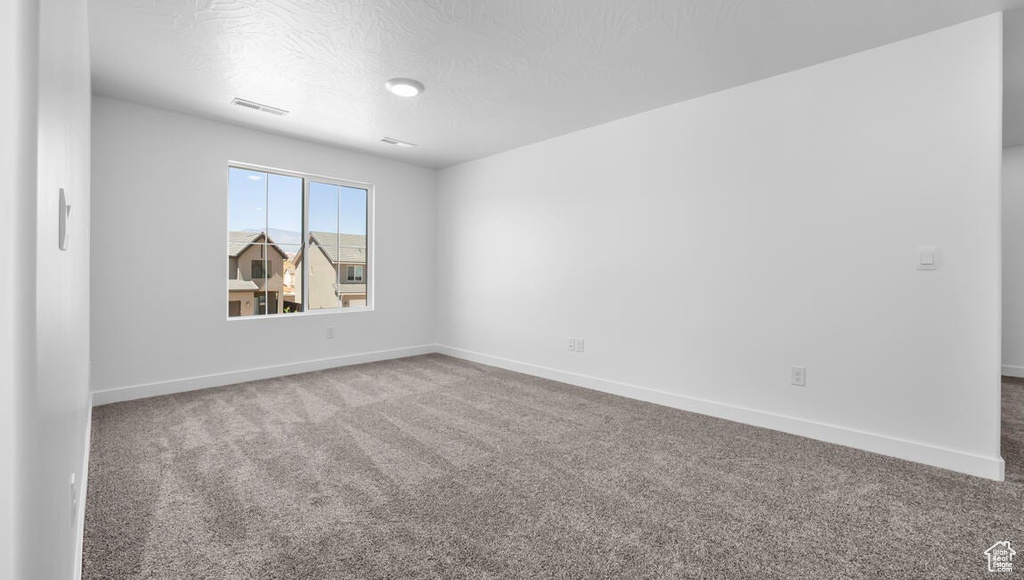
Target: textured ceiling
[(499, 73)]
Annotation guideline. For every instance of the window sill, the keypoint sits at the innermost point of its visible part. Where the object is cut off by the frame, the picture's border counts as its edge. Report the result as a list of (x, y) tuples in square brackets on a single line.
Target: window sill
[(318, 312)]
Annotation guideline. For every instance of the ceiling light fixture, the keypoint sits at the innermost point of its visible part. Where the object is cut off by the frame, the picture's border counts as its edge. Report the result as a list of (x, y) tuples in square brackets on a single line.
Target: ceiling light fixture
[(405, 87), (397, 142)]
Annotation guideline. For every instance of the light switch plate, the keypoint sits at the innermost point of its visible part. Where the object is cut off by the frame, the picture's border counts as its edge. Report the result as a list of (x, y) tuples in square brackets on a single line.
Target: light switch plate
[(63, 219), (927, 258)]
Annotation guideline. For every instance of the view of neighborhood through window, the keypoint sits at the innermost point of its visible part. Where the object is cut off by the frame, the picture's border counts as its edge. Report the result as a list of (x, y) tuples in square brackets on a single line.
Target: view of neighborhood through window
[(271, 232)]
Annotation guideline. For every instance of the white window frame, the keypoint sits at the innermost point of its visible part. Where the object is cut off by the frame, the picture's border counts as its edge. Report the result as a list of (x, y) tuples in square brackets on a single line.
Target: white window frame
[(371, 260)]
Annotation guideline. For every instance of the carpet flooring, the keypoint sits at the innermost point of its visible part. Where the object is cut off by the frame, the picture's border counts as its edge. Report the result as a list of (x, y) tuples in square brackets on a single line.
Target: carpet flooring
[(433, 467)]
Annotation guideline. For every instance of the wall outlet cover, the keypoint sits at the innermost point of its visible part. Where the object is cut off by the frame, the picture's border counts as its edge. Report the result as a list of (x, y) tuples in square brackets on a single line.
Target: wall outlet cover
[(798, 376)]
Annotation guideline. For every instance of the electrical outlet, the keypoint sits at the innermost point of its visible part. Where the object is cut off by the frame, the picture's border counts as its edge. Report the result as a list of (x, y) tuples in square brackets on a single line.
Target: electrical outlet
[(579, 345), (798, 376), (571, 344), (330, 332)]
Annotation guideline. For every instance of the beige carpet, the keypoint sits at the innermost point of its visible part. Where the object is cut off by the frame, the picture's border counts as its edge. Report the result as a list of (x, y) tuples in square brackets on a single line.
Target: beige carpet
[(432, 467)]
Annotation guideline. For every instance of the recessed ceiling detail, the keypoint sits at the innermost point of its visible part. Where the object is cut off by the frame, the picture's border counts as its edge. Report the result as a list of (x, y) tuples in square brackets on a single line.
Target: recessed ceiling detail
[(258, 107), (502, 73), (398, 142)]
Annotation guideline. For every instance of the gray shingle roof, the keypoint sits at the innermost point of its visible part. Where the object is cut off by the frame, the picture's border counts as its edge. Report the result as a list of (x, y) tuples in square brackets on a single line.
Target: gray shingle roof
[(345, 248), (242, 286), (239, 241)]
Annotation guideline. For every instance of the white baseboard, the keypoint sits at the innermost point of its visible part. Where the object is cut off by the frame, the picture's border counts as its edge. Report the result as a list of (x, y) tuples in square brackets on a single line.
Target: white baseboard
[(83, 487), (1013, 371), (117, 395), (978, 465)]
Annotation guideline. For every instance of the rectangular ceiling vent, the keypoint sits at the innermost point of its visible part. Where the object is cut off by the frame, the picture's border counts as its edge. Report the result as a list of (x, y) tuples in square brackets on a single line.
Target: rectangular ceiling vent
[(397, 142), (258, 107)]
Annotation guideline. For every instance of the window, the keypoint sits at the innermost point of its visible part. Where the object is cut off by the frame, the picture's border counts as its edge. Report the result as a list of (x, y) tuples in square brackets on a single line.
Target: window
[(296, 243)]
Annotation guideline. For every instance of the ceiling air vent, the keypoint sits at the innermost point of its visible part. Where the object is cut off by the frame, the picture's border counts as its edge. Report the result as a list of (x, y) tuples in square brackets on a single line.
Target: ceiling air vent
[(258, 107), (397, 142)]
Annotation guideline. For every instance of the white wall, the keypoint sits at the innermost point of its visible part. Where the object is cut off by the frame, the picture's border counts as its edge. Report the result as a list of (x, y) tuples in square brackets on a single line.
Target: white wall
[(19, 39), (60, 402), (158, 280), (45, 346), (1013, 261), (703, 248)]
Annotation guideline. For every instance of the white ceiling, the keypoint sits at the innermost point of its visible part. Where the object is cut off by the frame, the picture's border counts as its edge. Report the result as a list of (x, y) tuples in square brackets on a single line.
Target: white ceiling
[(499, 73)]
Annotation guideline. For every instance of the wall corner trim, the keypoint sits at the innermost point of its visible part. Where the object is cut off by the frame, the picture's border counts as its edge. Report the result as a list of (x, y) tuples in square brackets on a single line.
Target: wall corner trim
[(1013, 371), (82, 495), (969, 463)]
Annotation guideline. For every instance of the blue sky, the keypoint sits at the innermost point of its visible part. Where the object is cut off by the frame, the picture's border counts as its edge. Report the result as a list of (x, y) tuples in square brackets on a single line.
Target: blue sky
[(260, 200)]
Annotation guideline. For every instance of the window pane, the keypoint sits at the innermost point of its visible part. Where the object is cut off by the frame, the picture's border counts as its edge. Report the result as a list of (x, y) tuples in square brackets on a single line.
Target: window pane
[(323, 207), (284, 209), (323, 246), (275, 257), (353, 211), (247, 201), (323, 279), (247, 265), (261, 273), (291, 284), (352, 248)]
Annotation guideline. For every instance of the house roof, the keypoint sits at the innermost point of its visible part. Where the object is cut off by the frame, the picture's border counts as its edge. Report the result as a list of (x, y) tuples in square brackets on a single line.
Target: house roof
[(242, 286), (239, 241), (344, 248)]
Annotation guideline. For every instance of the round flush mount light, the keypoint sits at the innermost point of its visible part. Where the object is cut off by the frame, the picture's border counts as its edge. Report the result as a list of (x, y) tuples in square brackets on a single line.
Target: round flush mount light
[(404, 87)]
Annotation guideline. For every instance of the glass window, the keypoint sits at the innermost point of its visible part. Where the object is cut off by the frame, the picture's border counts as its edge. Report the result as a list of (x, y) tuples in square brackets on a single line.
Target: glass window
[(295, 243)]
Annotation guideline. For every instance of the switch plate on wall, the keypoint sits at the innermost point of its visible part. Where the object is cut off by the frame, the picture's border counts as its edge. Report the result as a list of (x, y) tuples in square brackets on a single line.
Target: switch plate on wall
[(574, 344), (927, 258), (330, 332)]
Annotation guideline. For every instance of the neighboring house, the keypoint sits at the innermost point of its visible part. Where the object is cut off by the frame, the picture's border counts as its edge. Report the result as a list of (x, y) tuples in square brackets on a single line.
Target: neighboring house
[(255, 274), (337, 270), (289, 283)]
